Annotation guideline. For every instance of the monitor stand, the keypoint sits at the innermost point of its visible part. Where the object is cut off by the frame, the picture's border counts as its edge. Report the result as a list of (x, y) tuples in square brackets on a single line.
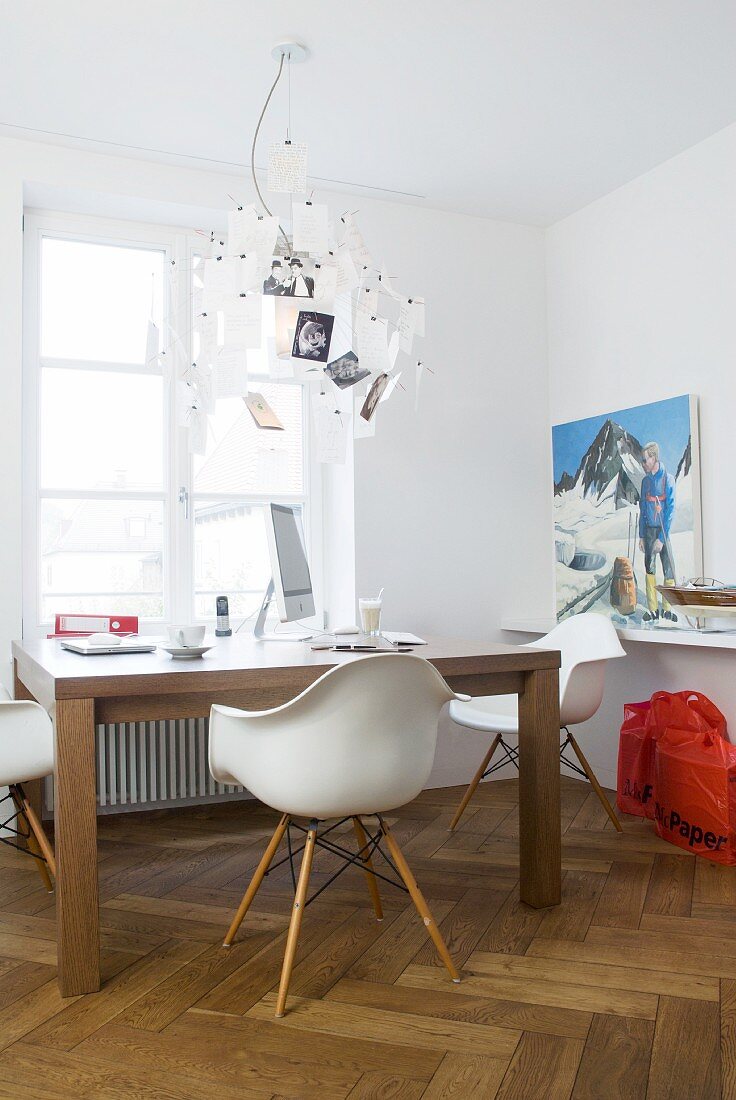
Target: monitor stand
[(263, 635)]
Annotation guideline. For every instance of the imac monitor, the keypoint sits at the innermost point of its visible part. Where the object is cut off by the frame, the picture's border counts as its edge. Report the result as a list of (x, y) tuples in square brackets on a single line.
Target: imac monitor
[(291, 583)]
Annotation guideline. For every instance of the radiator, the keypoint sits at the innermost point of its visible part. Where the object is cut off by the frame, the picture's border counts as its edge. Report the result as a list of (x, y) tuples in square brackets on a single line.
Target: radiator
[(142, 765)]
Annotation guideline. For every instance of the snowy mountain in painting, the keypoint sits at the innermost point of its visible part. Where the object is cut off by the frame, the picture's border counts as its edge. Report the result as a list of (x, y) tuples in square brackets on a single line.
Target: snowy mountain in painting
[(597, 518)]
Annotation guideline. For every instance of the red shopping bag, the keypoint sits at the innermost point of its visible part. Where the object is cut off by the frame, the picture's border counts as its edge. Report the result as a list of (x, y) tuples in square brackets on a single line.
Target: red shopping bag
[(643, 725), (695, 781), (634, 787)]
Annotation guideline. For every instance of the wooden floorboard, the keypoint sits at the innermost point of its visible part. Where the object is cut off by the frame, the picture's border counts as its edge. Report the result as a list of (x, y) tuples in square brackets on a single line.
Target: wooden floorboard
[(626, 990)]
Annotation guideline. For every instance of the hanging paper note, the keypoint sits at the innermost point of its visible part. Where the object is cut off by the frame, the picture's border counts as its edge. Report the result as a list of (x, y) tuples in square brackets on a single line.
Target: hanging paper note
[(374, 396), (203, 380), (287, 168), (346, 371), (239, 227), (419, 373), (231, 372), (198, 432), (386, 283), (406, 326), (393, 349), (347, 275), (243, 322), (372, 346), (309, 227), (186, 402), (325, 286), (362, 429), (353, 238), (366, 301), (330, 429), (262, 412), (390, 387), (198, 270), (417, 310), (221, 281), (152, 344), (205, 327)]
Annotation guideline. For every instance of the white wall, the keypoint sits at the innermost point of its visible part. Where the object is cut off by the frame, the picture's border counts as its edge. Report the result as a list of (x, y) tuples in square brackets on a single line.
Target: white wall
[(642, 305), (447, 503)]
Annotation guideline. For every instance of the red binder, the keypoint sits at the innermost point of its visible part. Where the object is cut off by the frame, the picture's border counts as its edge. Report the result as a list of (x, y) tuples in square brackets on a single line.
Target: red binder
[(79, 624)]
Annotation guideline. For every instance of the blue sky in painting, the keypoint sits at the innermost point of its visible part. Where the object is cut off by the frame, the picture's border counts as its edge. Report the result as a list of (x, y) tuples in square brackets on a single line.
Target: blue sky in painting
[(667, 422)]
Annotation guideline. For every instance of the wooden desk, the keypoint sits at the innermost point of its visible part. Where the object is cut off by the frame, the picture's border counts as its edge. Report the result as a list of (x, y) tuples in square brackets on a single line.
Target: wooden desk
[(255, 675)]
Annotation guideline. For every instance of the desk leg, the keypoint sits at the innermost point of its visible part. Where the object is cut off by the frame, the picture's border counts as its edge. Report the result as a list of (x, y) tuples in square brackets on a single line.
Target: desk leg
[(540, 849), (75, 797)]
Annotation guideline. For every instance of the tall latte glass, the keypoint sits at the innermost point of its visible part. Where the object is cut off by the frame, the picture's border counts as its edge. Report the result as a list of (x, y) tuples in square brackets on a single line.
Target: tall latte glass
[(370, 615)]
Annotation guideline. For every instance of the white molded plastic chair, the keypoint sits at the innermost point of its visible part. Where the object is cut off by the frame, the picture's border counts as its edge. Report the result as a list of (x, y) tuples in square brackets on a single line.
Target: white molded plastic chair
[(26, 752), (359, 741), (585, 642)]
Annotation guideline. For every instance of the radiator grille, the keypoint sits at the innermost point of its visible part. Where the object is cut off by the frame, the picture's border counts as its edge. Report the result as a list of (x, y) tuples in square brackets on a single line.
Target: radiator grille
[(148, 764)]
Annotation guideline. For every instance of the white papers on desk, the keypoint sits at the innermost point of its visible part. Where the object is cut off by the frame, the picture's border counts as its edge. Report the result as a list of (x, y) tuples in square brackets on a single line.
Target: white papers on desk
[(287, 168), (371, 333), (243, 322), (231, 372), (399, 638), (330, 429), (309, 226)]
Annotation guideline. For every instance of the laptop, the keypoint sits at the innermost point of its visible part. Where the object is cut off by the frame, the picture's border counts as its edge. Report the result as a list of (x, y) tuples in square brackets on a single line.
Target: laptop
[(126, 645)]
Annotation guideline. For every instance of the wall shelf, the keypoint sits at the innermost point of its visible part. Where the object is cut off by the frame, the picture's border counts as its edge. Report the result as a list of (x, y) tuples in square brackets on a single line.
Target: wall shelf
[(660, 636)]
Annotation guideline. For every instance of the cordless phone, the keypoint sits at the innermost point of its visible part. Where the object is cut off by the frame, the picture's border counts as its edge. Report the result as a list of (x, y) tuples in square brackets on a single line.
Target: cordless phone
[(223, 618)]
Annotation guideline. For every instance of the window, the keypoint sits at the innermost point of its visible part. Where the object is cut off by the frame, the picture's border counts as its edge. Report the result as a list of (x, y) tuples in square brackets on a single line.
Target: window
[(119, 517)]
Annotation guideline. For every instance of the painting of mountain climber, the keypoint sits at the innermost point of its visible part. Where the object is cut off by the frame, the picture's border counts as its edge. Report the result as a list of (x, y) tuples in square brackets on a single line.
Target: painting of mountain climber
[(656, 510), (627, 511)]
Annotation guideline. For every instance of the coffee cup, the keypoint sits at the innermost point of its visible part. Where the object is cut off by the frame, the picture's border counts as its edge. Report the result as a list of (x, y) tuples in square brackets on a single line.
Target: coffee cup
[(188, 637), (370, 614)]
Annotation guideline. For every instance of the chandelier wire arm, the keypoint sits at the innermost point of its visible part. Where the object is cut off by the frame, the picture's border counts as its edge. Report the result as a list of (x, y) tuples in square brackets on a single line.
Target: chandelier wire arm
[(253, 150)]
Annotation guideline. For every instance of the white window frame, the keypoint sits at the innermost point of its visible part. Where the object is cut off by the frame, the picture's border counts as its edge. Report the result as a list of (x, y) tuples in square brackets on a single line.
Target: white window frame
[(179, 244)]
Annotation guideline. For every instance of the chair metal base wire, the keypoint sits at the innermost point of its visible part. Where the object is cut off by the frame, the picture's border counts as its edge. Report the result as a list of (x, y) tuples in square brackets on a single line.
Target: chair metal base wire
[(349, 858), (511, 755), (570, 763), (17, 815)]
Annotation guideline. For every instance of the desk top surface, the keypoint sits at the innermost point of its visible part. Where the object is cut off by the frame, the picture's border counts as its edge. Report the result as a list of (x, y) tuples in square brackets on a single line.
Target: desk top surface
[(241, 660)]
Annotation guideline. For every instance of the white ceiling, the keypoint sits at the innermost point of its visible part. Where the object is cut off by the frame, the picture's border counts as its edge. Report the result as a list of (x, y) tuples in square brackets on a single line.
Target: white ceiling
[(510, 109)]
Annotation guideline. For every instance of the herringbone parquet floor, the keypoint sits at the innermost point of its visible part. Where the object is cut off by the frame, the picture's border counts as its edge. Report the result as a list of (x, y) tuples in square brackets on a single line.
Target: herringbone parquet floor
[(626, 990)]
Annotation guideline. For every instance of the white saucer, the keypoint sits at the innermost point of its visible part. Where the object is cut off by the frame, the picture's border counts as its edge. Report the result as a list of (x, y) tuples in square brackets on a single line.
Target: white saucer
[(182, 652)]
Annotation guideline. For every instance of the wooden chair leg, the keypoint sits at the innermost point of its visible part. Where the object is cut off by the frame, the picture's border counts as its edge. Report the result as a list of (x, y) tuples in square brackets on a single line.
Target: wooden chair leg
[(594, 782), (39, 832), (296, 918), (257, 879), (474, 782), (418, 898), (37, 854), (368, 863)]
